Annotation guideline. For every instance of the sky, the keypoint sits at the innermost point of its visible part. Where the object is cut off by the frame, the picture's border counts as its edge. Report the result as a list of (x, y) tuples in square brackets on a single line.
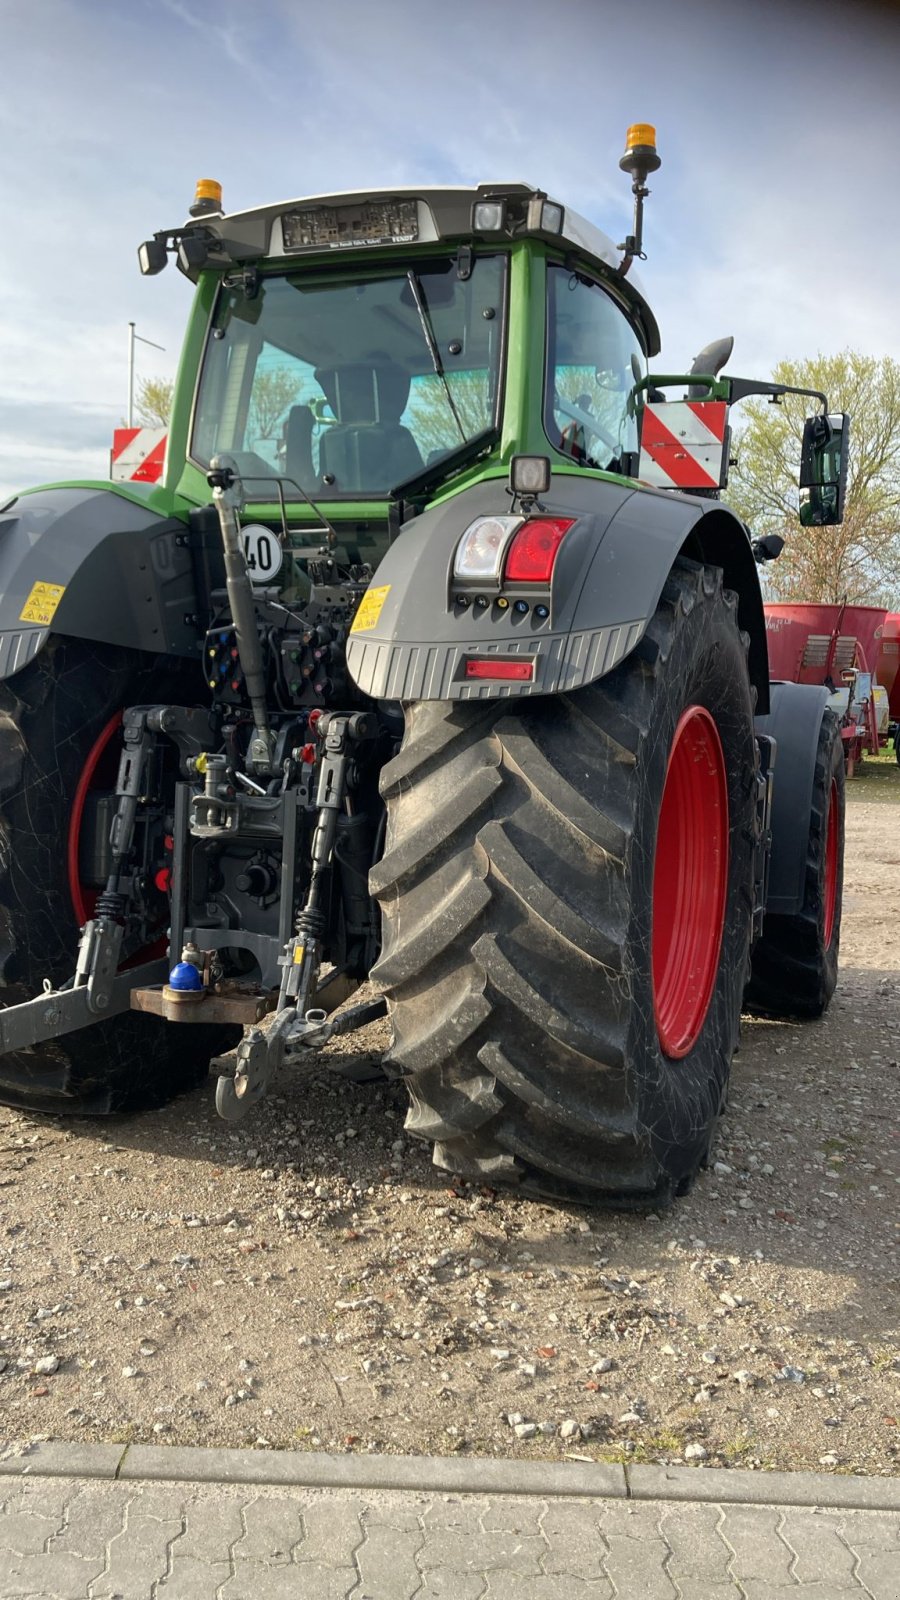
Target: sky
[(774, 216)]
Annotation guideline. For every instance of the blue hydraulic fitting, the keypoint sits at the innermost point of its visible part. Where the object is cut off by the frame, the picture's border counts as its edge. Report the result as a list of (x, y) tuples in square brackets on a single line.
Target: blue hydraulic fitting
[(185, 976)]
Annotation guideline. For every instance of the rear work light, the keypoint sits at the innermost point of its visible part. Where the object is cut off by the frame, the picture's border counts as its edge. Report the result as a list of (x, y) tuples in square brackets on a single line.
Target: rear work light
[(498, 667), (534, 548)]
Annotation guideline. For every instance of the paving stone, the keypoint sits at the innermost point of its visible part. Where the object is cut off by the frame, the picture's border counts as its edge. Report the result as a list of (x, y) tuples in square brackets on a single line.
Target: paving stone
[(139, 1555), (880, 1529), (698, 1553), (879, 1572), (272, 1527), (63, 1575), (94, 1516), (509, 1586), (460, 1515), (689, 1590), (802, 1591), (332, 1530), (27, 1532), (211, 1528), (313, 1581), (631, 1521), (572, 1532), (513, 1516), (822, 1555), (387, 1564), (448, 1585), (636, 1566), (473, 1550), (759, 1553), (192, 1578), (46, 1497), (403, 1519)]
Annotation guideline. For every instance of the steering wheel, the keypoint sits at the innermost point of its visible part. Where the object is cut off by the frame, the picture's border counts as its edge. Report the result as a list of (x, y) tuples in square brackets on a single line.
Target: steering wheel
[(585, 420)]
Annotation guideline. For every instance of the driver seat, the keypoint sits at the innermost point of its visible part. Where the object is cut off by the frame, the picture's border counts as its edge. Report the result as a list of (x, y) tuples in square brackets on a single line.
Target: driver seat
[(368, 448)]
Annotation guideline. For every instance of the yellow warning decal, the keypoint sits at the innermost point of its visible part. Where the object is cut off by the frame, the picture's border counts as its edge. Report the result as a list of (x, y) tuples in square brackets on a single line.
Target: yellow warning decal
[(42, 602), (370, 608)]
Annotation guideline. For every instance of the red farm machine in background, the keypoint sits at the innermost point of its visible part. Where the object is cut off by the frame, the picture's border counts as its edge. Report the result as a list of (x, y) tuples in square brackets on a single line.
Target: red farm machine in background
[(887, 671), (843, 647)]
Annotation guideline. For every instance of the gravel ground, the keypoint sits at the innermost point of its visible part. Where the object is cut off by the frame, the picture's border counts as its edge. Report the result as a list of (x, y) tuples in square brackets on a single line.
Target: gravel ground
[(308, 1279)]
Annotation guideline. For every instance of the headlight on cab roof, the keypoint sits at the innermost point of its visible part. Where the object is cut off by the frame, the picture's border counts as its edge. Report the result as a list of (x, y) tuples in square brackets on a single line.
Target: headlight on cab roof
[(480, 552)]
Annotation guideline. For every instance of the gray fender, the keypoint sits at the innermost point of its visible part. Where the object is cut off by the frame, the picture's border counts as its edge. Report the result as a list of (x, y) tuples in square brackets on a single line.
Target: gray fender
[(606, 585), (794, 722), (125, 574)]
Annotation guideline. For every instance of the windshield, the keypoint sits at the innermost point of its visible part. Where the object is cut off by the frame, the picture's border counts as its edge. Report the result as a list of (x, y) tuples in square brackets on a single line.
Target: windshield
[(351, 387), (593, 362)]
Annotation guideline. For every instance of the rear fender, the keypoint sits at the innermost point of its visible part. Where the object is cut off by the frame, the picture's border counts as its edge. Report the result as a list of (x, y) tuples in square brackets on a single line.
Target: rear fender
[(86, 561), (794, 722), (412, 642)]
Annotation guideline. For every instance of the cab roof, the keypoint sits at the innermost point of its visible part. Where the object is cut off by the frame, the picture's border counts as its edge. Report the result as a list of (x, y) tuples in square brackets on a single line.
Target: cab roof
[(328, 224)]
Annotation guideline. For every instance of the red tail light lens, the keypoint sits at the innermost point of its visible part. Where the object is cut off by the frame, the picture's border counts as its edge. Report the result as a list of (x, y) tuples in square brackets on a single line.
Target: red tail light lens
[(515, 671), (534, 548)]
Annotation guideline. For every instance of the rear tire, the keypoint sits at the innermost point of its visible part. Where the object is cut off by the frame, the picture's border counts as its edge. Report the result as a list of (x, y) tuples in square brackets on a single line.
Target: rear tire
[(795, 962), (516, 893), (51, 715)]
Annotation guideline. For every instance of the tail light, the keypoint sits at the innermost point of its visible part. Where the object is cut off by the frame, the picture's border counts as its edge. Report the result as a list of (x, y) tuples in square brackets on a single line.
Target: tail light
[(500, 668), (479, 554), (533, 550)]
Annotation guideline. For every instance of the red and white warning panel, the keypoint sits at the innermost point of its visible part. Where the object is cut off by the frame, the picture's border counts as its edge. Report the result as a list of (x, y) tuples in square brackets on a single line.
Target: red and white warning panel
[(684, 443), (137, 455)]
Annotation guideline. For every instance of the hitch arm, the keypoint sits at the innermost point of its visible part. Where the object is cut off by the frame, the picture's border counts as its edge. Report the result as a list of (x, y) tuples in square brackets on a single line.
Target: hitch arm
[(60, 1011)]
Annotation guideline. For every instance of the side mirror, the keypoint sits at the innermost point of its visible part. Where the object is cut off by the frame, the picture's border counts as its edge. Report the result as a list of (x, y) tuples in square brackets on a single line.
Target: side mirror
[(823, 470)]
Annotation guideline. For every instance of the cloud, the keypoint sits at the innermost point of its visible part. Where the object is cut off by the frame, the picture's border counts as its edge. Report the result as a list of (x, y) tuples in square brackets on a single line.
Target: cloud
[(42, 441)]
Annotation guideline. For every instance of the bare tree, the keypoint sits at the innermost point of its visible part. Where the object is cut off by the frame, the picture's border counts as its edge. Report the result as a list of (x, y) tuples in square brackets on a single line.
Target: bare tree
[(274, 390)]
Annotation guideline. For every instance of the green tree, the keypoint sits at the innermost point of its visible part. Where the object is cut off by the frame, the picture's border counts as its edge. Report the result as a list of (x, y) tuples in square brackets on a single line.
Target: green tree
[(860, 559), (153, 402)]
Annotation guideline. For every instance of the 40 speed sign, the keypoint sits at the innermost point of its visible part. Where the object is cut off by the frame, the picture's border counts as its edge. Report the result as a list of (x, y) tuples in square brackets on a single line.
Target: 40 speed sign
[(263, 552)]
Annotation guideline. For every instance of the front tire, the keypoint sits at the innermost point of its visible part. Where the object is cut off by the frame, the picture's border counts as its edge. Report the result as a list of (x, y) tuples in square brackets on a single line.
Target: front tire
[(530, 993), (52, 715)]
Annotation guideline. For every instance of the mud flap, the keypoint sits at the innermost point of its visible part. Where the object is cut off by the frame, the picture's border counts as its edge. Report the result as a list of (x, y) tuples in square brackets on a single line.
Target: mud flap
[(793, 722)]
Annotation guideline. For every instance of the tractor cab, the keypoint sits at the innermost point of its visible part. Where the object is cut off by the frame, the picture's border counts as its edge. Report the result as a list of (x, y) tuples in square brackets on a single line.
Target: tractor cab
[(372, 349)]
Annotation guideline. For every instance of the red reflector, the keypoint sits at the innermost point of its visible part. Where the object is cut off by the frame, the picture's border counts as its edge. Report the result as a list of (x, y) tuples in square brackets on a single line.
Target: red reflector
[(533, 550), (522, 671)]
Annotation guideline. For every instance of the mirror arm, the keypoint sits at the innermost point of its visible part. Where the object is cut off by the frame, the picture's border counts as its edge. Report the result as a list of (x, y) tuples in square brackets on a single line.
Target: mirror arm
[(743, 388)]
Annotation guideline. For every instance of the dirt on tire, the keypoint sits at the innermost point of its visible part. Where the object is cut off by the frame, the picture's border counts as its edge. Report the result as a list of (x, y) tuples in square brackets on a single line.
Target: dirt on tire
[(308, 1279)]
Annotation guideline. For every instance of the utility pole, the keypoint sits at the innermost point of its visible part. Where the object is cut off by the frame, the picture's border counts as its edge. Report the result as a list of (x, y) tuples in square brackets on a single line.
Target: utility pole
[(132, 336)]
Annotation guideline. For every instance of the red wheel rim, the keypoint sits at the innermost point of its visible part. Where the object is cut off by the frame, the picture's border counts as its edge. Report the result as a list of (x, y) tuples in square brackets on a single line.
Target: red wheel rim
[(690, 879), (832, 841), (83, 897)]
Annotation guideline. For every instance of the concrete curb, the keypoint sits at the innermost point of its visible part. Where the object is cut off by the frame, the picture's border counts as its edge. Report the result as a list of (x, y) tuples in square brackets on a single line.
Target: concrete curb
[(450, 1475), (315, 1470), (732, 1486)]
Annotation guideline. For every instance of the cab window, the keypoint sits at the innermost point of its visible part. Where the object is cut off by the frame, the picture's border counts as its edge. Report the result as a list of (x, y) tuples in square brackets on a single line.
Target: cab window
[(594, 360)]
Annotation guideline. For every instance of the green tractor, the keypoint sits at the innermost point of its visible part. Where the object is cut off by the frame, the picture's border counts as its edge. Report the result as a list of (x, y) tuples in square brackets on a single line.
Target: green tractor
[(435, 659)]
